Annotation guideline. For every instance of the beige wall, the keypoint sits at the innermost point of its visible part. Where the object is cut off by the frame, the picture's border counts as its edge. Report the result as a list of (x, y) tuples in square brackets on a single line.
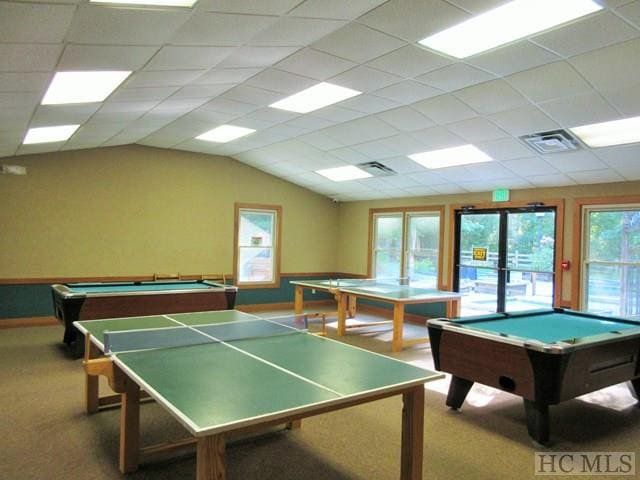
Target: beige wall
[(354, 220), (136, 210)]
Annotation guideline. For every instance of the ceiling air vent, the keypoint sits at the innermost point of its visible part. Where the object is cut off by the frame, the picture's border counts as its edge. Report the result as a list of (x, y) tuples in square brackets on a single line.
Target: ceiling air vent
[(556, 141), (376, 169)]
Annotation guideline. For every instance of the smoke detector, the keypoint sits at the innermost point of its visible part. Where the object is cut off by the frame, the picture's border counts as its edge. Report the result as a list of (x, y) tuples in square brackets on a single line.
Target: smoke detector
[(376, 169), (555, 141)]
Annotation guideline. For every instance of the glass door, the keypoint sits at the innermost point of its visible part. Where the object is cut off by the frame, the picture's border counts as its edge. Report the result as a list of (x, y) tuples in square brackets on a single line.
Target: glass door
[(505, 259)]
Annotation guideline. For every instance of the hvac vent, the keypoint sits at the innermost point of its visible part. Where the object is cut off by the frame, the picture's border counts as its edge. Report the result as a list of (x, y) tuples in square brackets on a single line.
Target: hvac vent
[(556, 141), (376, 169)]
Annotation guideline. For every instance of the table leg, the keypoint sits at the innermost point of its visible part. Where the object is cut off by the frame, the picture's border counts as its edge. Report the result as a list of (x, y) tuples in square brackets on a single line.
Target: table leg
[(537, 420), (453, 308), (298, 299), (91, 382), (130, 427), (343, 301), (211, 458), (352, 306), (412, 434), (398, 327)]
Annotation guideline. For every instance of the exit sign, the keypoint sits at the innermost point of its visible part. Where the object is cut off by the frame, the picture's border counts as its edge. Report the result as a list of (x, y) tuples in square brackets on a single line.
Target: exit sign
[(501, 195)]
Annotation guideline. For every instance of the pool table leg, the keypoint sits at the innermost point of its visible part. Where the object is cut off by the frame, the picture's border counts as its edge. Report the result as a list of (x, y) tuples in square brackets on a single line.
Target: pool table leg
[(537, 420), (458, 390)]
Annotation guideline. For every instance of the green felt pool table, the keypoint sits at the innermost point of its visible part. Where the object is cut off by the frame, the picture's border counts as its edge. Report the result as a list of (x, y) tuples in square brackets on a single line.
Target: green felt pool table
[(545, 357), (90, 301)]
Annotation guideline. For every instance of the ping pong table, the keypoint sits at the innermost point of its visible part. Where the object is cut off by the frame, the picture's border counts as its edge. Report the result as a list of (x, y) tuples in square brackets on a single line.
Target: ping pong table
[(224, 373), (397, 292)]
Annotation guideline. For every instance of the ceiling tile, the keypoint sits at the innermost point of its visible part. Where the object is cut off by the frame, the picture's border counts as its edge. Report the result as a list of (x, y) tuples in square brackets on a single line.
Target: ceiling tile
[(436, 138), (523, 121), (365, 79), (596, 176), (555, 80), (103, 57), (19, 100), (315, 64), (256, 56), (612, 67), (288, 31), (631, 12), (596, 31), (575, 161), (368, 104), (25, 82), (252, 95), (454, 77), (625, 100), (187, 58), (200, 91), (580, 110), (405, 119), (360, 130), (444, 109), (554, 180), (414, 20), (162, 79), (101, 24), (280, 81), (504, 149), (531, 166), (491, 97), (226, 75), (513, 58), (621, 156), (407, 92), (334, 8), (358, 43), (337, 114), (45, 23), (220, 29), (477, 129), (28, 57), (403, 165), (256, 7), (46, 115), (409, 61)]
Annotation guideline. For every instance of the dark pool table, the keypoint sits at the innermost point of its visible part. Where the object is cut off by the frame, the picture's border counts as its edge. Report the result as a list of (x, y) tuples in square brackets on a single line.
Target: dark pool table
[(545, 357), (89, 301)]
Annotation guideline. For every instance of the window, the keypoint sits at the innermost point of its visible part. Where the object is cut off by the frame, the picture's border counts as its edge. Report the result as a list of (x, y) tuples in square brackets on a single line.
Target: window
[(611, 260), (405, 243), (257, 241)]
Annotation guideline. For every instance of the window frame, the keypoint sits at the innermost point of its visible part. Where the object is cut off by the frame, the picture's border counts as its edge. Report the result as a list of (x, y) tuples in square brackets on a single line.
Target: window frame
[(406, 212), (276, 210)]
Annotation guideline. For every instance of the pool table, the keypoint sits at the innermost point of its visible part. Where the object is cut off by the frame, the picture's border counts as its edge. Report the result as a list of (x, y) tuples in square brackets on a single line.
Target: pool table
[(544, 356), (90, 301)]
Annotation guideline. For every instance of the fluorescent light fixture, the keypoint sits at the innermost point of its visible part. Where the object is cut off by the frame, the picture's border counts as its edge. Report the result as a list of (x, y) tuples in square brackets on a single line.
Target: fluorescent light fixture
[(315, 97), (159, 3), (82, 87), (341, 174), (617, 132), (49, 134), (509, 22), (224, 133), (451, 157)]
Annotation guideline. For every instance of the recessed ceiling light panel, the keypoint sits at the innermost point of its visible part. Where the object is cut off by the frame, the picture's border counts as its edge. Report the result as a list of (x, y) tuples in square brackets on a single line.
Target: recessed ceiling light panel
[(315, 97), (451, 157), (511, 21), (341, 174), (82, 87), (225, 133), (606, 134), (59, 133)]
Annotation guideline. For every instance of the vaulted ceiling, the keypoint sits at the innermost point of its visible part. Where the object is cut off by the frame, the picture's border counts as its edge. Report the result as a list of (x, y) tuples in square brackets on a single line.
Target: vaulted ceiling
[(226, 61)]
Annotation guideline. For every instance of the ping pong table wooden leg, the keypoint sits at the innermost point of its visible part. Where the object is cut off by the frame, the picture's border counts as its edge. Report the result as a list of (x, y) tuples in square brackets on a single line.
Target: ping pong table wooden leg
[(398, 327), (130, 427), (210, 458), (453, 308), (412, 434), (91, 382), (343, 305), (298, 299)]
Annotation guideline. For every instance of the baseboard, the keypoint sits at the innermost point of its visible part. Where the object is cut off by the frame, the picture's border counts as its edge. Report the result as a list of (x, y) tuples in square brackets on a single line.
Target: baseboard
[(28, 322)]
